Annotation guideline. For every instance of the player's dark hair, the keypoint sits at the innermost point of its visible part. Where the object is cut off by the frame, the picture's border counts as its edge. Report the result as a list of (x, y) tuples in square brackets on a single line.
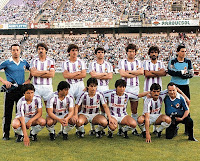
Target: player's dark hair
[(120, 83), (63, 85), (171, 84), (92, 81), (14, 45), (131, 46), (155, 86), (42, 45), (72, 46), (153, 49), (99, 48), (27, 87), (180, 47)]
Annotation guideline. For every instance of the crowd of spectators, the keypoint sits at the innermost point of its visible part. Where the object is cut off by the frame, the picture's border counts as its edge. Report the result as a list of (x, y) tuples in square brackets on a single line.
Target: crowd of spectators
[(152, 10), (92, 10), (26, 11), (20, 11), (115, 47)]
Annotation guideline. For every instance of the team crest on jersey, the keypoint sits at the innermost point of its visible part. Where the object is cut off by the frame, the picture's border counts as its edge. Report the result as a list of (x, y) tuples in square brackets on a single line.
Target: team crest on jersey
[(158, 68), (137, 66), (97, 101), (24, 67), (48, 67), (185, 68), (125, 101), (79, 67), (106, 70), (35, 107), (177, 105)]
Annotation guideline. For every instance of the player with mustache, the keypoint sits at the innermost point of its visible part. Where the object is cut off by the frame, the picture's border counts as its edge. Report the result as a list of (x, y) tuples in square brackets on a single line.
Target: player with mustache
[(43, 70), (151, 112), (154, 69)]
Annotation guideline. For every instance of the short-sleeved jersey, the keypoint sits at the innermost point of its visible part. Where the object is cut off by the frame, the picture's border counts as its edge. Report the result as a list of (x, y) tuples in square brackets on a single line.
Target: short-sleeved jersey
[(149, 66), (126, 65), (178, 105), (90, 105), (118, 104), (28, 110), (77, 66), (154, 107), (106, 67), (15, 71), (60, 107), (48, 64), (174, 69)]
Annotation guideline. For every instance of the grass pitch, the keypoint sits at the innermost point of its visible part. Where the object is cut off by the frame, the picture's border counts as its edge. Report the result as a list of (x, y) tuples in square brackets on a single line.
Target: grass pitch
[(118, 148)]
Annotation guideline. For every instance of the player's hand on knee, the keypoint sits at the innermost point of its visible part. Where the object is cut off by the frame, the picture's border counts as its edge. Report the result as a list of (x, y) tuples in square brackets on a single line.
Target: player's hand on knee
[(113, 122), (65, 121), (75, 119), (7, 83), (148, 138), (28, 124), (26, 141), (178, 119)]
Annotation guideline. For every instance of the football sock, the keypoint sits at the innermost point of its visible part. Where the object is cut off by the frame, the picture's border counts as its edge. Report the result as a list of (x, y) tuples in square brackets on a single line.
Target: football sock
[(99, 128), (92, 126), (36, 129), (142, 127), (67, 128), (81, 128), (18, 131), (163, 126), (51, 129), (119, 126)]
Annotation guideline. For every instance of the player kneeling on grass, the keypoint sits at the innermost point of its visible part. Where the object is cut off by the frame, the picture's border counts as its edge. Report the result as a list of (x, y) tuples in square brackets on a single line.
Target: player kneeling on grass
[(60, 108), (118, 100), (151, 113), (29, 112), (91, 100)]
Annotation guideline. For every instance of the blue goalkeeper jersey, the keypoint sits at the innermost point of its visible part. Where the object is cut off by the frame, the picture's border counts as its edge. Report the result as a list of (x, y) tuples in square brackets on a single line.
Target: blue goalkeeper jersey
[(15, 72), (174, 69)]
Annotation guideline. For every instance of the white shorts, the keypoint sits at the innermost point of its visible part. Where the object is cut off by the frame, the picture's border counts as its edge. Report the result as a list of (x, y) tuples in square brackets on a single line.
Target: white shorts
[(62, 116), (133, 89), (153, 118), (27, 119), (76, 89), (102, 88), (119, 119), (45, 91), (89, 116)]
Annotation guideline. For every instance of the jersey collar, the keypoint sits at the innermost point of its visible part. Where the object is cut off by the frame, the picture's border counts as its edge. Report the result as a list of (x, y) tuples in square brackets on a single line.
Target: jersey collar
[(11, 59), (178, 95)]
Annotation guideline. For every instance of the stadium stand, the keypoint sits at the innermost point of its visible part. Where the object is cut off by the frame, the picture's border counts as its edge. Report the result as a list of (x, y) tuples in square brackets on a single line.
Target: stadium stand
[(98, 11), (115, 46)]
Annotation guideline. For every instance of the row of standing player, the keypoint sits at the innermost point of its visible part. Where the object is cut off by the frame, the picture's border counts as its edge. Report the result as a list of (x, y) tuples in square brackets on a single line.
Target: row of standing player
[(42, 69)]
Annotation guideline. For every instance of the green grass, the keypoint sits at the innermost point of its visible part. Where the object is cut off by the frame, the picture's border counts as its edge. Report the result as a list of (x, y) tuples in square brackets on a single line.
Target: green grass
[(118, 148)]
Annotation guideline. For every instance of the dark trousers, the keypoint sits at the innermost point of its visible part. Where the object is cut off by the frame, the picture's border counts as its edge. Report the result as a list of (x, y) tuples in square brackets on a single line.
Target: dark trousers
[(10, 99), (171, 130), (185, 89)]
